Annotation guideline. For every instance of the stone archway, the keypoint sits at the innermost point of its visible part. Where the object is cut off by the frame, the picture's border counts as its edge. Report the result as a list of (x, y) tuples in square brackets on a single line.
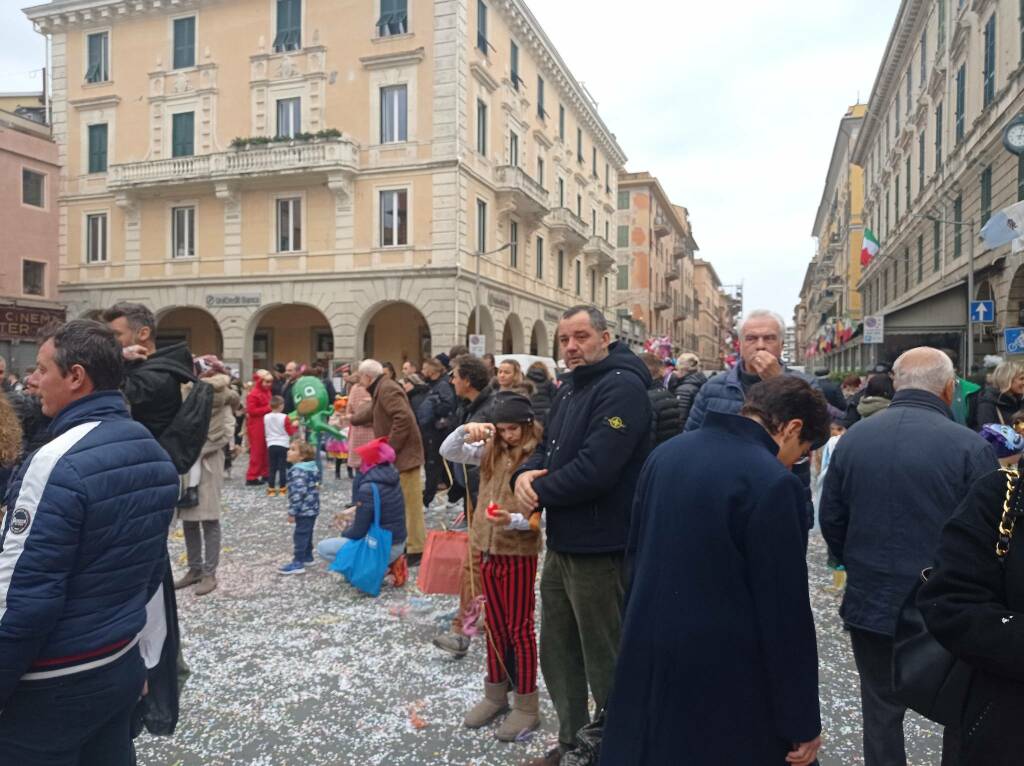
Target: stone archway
[(538, 339), (396, 332), (512, 335), (486, 328), (286, 332), (195, 326)]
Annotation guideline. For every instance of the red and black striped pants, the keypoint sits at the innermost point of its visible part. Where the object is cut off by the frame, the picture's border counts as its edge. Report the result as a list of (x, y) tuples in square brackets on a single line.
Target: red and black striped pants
[(511, 602)]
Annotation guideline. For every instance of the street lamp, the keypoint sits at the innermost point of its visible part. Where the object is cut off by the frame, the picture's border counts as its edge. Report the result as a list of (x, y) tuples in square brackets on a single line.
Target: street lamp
[(476, 299)]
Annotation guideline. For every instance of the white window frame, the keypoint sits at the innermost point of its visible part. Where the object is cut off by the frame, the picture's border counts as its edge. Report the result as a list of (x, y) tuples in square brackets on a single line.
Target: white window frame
[(174, 210), (42, 283), (104, 235), (85, 55), (294, 117), (170, 23), (383, 243), (301, 199), (397, 137)]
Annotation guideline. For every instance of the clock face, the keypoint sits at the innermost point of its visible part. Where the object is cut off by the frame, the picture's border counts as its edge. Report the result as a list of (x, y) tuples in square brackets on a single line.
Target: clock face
[(1015, 136)]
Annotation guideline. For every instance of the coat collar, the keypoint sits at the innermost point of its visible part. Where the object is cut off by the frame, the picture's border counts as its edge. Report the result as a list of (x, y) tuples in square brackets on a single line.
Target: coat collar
[(743, 427), (915, 397), (99, 405)]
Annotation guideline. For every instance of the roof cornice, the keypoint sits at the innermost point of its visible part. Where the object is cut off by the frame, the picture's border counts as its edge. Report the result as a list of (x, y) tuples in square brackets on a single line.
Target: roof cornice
[(528, 30), (59, 15), (902, 38)]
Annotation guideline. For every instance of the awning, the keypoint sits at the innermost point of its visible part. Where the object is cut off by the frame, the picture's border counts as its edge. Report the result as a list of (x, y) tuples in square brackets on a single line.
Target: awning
[(944, 311)]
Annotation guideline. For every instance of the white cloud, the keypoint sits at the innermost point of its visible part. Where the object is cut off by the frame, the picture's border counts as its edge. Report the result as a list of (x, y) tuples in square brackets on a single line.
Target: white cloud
[(735, 108)]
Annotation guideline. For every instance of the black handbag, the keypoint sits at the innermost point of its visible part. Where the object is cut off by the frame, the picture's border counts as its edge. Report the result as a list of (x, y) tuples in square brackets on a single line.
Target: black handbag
[(925, 676)]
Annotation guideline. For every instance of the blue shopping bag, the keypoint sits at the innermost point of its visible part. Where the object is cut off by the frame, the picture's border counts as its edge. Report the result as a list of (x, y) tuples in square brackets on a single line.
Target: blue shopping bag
[(364, 562)]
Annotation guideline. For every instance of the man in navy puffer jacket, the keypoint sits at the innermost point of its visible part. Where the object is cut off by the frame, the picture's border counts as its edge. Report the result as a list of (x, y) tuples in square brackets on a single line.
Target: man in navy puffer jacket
[(82, 551)]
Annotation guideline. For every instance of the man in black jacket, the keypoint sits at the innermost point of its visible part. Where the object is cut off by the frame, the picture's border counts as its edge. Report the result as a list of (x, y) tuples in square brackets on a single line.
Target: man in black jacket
[(152, 377), (584, 476), (436, 418), (894, 481)]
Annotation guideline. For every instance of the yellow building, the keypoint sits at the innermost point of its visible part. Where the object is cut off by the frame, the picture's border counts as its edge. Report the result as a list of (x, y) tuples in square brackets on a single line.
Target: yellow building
[(307, 179), (829, 312), (715, 319), (655, 253)]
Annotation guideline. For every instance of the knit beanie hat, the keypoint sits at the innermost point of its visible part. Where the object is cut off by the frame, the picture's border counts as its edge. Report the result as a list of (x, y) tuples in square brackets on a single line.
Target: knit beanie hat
[(510, 407), (375, 452), (1003, 439)]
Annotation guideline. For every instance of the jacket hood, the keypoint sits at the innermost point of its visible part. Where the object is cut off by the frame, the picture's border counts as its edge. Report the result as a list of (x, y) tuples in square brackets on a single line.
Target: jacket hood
[(537, 376), (105, 405), (619, 358), (174, 359), (869, 405), (383, 473), (306, 465)]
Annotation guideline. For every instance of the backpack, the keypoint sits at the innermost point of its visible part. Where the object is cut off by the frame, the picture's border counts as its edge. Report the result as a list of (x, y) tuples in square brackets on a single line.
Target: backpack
[(184, 438)]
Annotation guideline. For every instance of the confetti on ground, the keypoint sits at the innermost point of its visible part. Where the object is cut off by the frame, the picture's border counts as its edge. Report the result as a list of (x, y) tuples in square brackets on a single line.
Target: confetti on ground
[(306, 670)]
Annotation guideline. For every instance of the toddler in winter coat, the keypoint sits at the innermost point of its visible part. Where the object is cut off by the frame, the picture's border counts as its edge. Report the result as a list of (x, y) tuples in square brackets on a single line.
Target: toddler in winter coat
[(376, 466), (303, 504), (503, 535)]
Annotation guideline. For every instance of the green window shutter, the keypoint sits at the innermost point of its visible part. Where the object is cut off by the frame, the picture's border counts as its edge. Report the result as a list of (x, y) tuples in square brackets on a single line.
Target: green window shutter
[(183, 134), (623, 200), (289, 25), (184, 42), (623, 237), (97, 148)]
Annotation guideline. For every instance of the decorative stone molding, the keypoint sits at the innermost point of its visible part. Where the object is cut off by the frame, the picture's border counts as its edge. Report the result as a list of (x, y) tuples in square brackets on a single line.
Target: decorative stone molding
[(391, 60)]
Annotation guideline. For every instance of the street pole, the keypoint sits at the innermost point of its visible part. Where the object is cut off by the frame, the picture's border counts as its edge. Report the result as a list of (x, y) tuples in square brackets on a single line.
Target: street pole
[(970, 297), (476, 297)]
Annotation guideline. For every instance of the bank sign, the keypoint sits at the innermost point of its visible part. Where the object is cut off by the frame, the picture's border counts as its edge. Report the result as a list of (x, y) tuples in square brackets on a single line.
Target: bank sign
[(23, 324)]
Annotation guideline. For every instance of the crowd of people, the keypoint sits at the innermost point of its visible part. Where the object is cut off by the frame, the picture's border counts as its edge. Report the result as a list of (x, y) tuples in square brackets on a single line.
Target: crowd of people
[(667, 515)]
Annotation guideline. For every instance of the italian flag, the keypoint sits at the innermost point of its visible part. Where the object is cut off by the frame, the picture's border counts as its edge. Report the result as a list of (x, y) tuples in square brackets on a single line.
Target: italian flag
[(870, 249)]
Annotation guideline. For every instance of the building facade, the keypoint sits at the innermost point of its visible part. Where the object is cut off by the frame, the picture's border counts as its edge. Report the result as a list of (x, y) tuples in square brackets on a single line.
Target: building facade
[(655, 251), (827, 329), (305, 179), (29, 180), (935, 171), (713, 314)]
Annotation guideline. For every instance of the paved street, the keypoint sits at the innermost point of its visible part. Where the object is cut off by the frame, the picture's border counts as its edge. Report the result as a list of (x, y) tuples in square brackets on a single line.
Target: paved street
[(304, 671)]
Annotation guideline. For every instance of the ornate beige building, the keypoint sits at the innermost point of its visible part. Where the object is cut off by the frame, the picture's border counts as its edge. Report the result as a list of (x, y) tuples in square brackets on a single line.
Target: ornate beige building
[(935, 170), (306, 179), (828, 317), (655, 253)]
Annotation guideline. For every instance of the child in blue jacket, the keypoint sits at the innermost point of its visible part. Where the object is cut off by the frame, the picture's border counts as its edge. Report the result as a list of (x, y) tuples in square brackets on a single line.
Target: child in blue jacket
[(376, 467), (303, 504)]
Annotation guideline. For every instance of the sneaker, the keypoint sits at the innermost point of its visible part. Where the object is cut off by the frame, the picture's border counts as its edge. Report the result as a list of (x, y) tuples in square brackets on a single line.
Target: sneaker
[(295, 567), (454, 643)]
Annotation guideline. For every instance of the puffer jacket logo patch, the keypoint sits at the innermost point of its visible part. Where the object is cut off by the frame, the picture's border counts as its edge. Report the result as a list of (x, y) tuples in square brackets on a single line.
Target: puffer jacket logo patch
[(20, 521)]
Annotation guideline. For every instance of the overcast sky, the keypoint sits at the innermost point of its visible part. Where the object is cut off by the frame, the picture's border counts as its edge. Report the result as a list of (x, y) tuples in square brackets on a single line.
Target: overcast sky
[(734, 108)]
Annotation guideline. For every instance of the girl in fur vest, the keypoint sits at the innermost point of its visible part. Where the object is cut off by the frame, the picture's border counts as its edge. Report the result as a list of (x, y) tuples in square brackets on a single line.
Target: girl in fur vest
[(509, 545)]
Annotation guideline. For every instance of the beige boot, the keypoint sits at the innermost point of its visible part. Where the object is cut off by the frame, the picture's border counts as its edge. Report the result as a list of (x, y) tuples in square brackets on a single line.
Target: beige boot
[(191, 577), (525, 716), (207, 585), (494, 703)]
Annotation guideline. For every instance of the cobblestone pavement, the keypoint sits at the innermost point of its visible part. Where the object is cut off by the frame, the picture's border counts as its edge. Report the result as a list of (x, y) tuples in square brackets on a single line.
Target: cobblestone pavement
[(303, 670)]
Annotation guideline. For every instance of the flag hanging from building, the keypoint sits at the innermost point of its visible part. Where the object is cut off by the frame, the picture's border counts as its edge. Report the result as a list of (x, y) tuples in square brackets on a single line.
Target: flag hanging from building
[(1004, 226), (870, 249)]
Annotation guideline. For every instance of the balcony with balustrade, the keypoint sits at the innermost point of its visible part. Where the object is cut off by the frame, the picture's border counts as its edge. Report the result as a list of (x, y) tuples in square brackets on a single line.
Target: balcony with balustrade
[(599, 254), (517, 192), (319, 157), (567, 229)]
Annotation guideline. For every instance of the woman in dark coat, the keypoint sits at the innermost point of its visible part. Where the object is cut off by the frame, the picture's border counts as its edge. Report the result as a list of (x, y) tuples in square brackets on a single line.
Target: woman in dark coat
[(688, 383), (544, 390), (998, 402), (718, 661), (973, 603)]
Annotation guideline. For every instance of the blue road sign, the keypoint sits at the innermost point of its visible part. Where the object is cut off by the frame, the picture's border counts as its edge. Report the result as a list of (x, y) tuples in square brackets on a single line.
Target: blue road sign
[(1014, 337), (983, 312)]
